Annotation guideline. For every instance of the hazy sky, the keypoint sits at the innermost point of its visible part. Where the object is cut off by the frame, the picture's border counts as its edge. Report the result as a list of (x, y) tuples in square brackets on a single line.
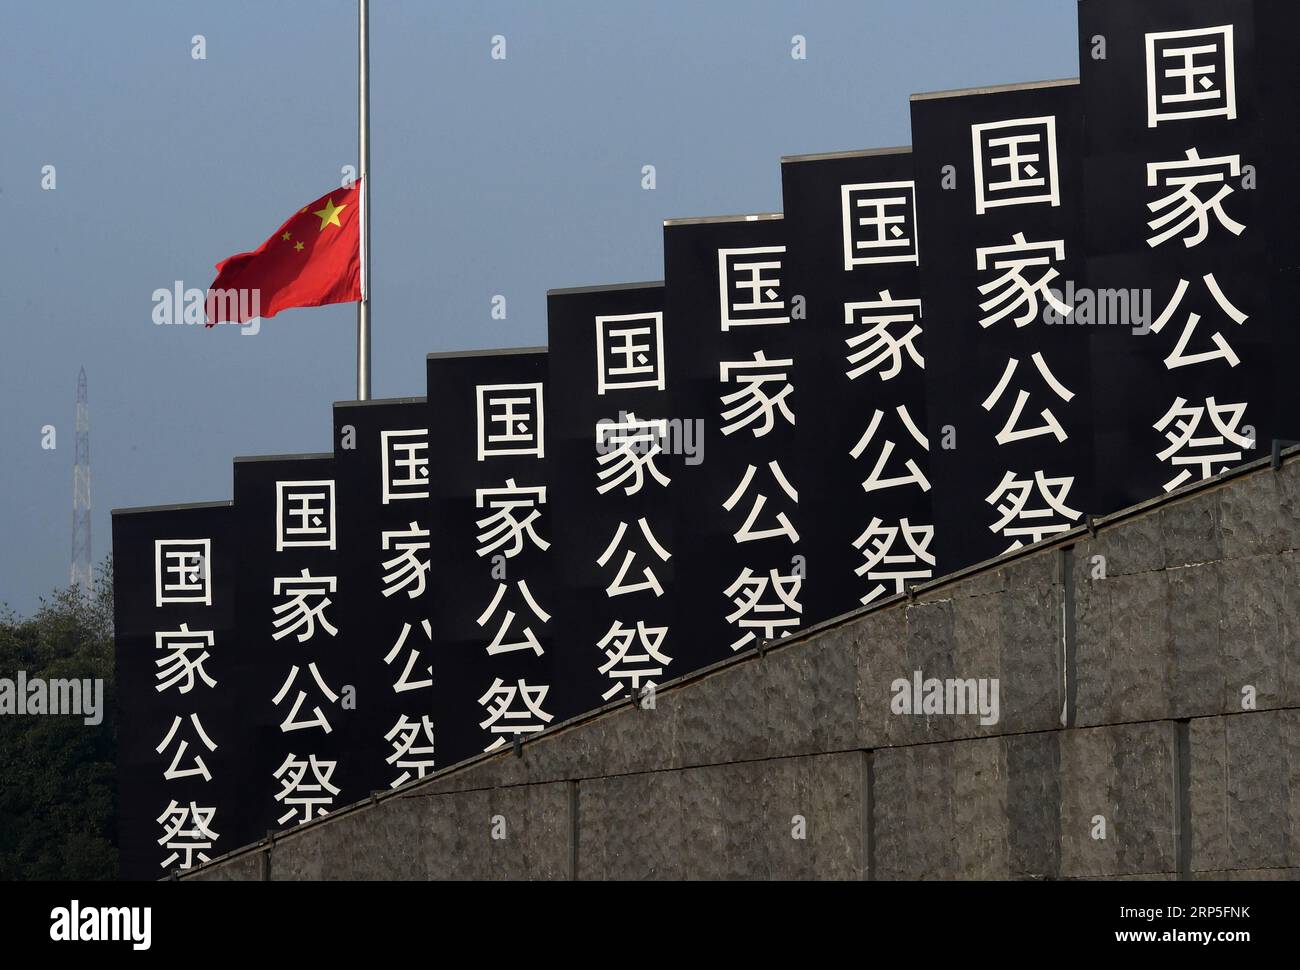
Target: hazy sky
[(488, 177)]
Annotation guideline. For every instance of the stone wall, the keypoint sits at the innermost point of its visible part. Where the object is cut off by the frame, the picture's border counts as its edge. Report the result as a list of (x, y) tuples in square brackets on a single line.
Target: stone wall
[(1149, 687)]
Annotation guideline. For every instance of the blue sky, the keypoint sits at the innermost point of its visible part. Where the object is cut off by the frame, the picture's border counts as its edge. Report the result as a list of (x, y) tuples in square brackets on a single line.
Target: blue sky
[(488, 177)]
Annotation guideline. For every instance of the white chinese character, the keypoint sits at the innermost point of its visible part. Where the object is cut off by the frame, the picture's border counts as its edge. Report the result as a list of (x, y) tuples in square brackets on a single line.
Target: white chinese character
[(618, 587), (304, 515), (198, 767), (406, 570), (1177, 357), (873, 347), (1012, 495), (529, 641), (1186, 421), (1184, 206), (187, 833), (1015, 163), (627, 449), (186, 651), (879, 220), (915, 475), (1191, 74), (620, 665), (511, 420), (751, 613), (502, 698), (754, 403), (1049, 426), (883, 565), (1012, 293), (407, 755), (290, 722), (749, 283), (501, 527), (405, 464), (746, 532), (413, 656), (181, 573), (629, 352), (309, 797), (296, 615)]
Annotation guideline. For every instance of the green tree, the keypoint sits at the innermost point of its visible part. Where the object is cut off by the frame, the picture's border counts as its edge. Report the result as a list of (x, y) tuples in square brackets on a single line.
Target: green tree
[(58, 785)]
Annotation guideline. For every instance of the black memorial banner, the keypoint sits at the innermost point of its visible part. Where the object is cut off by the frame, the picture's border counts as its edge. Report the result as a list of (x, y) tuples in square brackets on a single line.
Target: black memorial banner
[(492, 578), (1180, 192), (382, 465), (854, 258), (299, 694), (181, 676), (1277, 24), (1008, 380), (733, 363), (617, 445)]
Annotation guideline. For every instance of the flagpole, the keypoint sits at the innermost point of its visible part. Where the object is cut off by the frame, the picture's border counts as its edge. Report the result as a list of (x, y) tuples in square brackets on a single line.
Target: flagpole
[(363, 126)]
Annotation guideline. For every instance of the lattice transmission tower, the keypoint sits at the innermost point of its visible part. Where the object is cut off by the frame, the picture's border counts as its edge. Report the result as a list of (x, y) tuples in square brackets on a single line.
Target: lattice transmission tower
[(82, 570)]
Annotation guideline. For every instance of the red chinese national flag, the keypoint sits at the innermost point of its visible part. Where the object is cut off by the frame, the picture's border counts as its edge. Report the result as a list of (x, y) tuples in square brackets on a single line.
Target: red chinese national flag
[(313, 259)]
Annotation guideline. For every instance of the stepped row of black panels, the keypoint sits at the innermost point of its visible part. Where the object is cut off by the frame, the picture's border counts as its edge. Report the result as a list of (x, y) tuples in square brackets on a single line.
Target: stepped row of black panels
[(1065, 298)]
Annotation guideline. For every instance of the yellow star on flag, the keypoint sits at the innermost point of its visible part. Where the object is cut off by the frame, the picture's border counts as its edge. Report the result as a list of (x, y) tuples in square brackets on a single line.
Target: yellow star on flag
[(329, 216), (286, 235), (297, 247)]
